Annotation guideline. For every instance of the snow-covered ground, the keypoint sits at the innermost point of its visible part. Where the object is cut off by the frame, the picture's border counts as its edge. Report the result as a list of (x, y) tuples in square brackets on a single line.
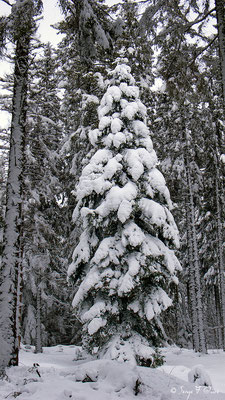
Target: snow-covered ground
[(61, 375)]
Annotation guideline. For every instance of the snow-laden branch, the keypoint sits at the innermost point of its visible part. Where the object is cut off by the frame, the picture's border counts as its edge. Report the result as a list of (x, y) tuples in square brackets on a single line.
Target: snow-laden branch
[(198, 20), (7, 2)]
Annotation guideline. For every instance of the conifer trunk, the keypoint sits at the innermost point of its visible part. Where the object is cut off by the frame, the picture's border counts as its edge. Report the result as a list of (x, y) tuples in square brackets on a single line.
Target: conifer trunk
[(220, 14), (220, 261), (38, 344), (11, 260), (191, 283), (199, 340), (218, 317)]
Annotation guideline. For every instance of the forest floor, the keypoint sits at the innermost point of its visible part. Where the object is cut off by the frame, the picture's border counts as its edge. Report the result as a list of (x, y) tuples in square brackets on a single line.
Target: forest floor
[(60, 376)]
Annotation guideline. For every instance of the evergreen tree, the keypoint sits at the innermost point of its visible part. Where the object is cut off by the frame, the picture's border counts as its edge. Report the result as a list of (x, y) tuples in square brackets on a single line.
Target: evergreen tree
[(44, 294), (122, 263), (89, 21), (20, 27), (82, 87), (180, 109)]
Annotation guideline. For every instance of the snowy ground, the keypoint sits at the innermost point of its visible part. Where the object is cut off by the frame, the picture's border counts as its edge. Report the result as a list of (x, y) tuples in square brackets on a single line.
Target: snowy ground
[(61, 377)]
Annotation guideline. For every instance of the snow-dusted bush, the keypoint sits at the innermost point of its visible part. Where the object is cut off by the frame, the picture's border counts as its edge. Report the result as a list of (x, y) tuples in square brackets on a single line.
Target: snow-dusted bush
[(122, 263)]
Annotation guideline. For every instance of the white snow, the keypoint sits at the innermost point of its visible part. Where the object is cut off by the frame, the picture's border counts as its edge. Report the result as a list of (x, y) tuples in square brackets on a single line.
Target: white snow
[(94, 311), (98, 173), (118, 139), (65, 376), (161, 217), (93, 136), (125, 210), (88, 283), (180, 363), (129, 91), (199, 376), (134, 264), (132, 235), (81, 252), (108, 251), (159, 301), (140, 128), (115, 92), (126, 284), (104, 122), (95, 325), (152, 246), (138, 159), (116, 125), (115, 197), (130, 110), (122, 73), (157, 182)]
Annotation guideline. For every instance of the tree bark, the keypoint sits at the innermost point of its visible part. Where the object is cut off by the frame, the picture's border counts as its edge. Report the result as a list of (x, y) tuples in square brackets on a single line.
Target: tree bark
[(191, 282), (218, 317), (199, 340), (220, 260), (11, 260), (220, 15), (38, 344)]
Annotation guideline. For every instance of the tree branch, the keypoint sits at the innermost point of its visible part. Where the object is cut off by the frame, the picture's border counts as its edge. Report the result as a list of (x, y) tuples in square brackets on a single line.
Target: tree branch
[(198, 20), (7, 2), (203, 49)]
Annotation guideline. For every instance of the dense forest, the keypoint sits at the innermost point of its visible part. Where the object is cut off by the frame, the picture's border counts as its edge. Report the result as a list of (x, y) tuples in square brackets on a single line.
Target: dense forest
[(112, 178)]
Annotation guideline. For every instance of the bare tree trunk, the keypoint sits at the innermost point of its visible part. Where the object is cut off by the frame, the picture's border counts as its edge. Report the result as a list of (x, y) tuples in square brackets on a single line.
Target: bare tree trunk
[(38, 344), (220, 15)]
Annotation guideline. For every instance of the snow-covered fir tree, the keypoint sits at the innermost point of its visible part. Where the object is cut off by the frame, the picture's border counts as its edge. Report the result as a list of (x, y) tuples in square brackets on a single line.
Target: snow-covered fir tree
[(45, 297), (19, 28), (123, 263)]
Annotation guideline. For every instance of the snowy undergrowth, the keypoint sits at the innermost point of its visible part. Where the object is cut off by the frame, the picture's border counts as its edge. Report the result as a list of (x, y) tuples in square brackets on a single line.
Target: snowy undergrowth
[(64, 372)]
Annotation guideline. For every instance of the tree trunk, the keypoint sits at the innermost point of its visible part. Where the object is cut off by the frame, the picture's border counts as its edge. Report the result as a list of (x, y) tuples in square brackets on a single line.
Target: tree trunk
[(19, 300), (218, 317), (220, 15), (11, 260), (220, 262), (191, 283), (195, 286), (38, 344)]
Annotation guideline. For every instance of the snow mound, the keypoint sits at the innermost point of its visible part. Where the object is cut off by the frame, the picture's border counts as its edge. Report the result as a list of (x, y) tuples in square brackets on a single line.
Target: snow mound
[(199, 376), (109, 375), (62, 378)]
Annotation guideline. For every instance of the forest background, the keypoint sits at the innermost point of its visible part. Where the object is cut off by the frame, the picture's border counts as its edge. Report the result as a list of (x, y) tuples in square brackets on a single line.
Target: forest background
[(169, 41)]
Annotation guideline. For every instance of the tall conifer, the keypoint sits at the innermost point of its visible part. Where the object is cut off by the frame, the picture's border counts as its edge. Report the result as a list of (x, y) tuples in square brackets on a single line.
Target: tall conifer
[(122, 263)]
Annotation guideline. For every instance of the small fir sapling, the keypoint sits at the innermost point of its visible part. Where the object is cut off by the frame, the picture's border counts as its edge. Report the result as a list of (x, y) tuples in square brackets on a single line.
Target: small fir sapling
[(123, 262)]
